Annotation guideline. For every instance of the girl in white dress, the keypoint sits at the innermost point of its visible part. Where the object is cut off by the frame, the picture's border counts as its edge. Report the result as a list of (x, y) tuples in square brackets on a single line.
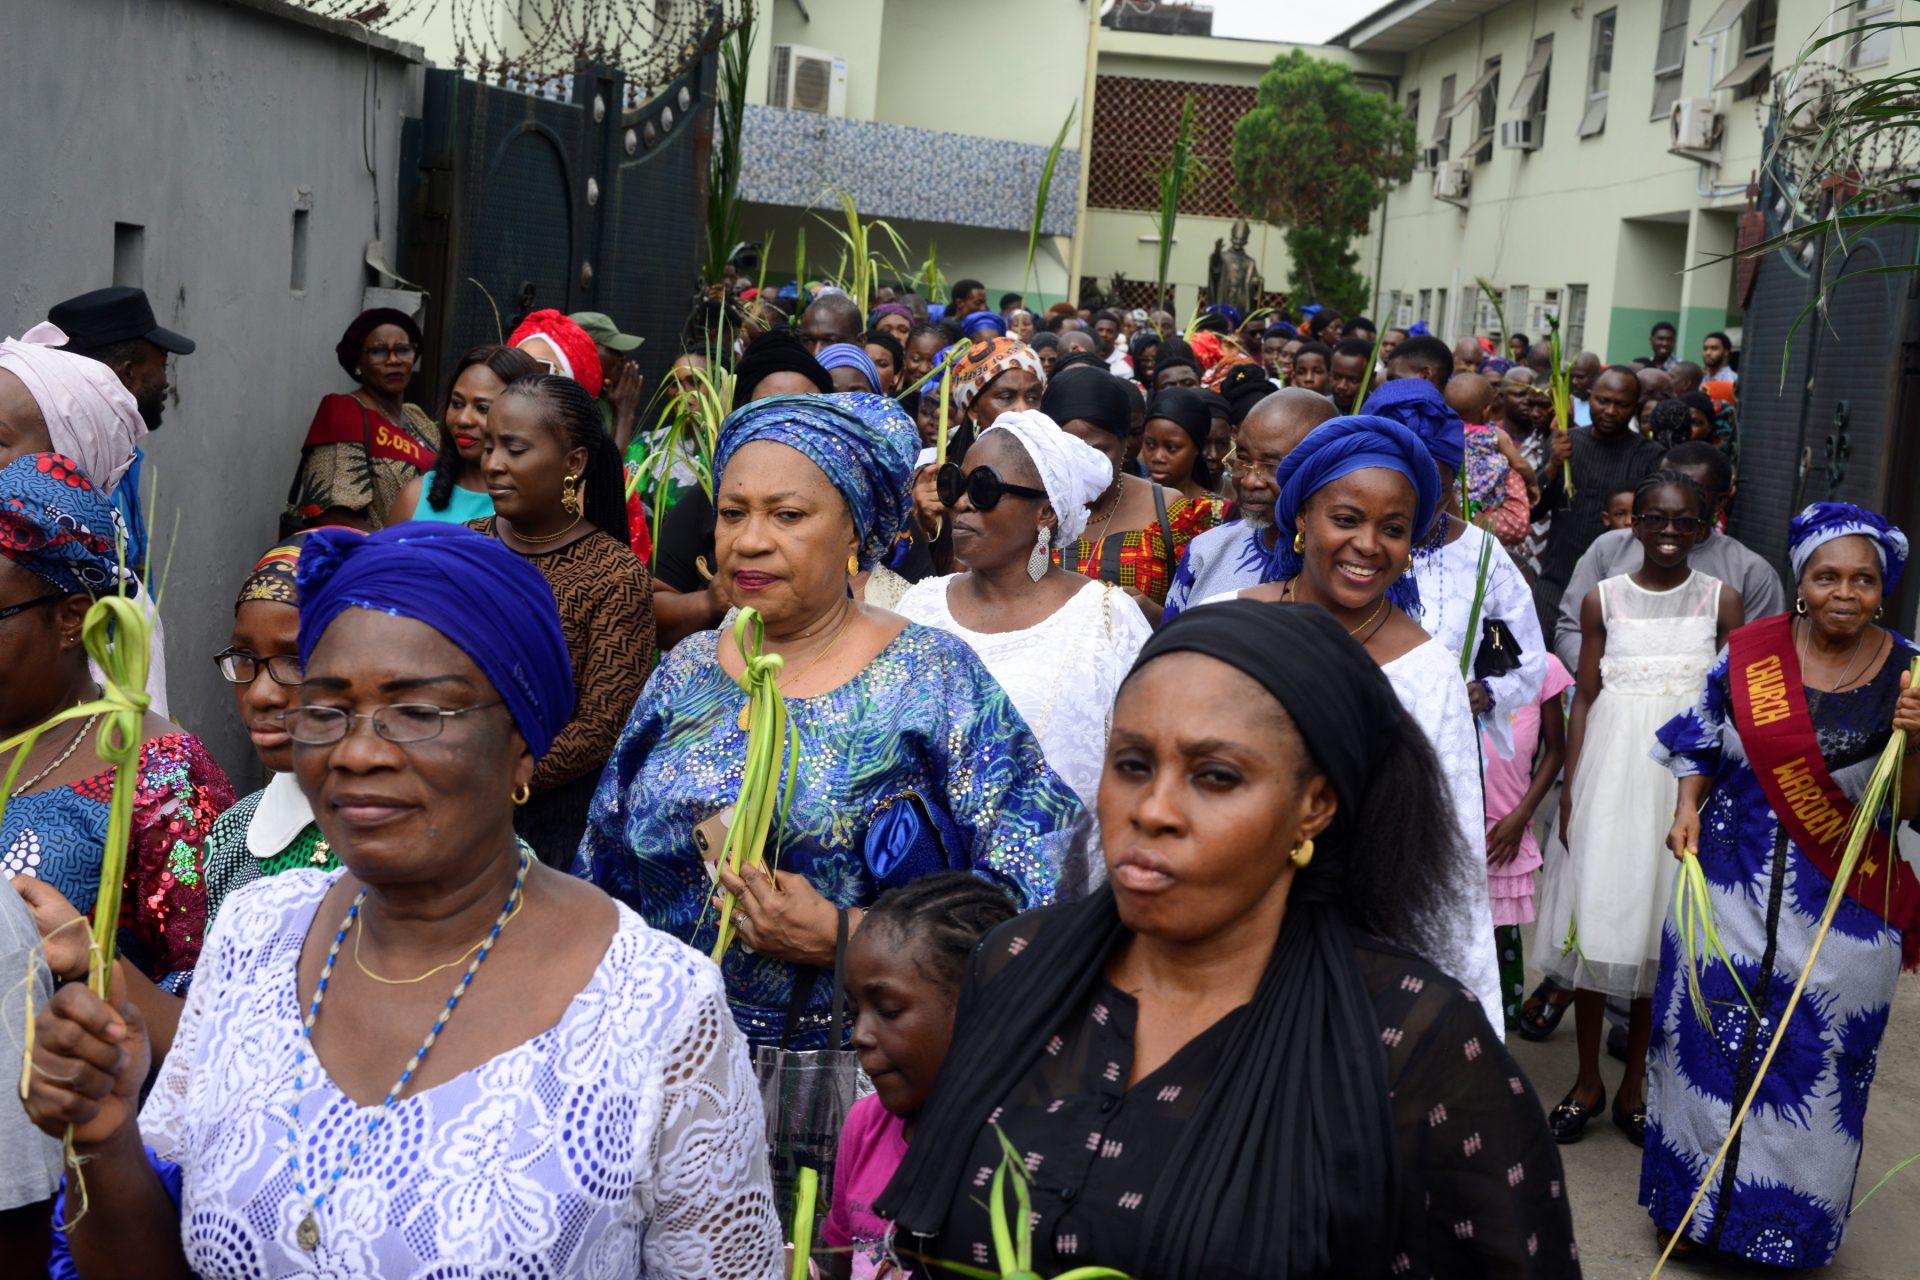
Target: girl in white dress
[(1058, 643), (1647, 639)]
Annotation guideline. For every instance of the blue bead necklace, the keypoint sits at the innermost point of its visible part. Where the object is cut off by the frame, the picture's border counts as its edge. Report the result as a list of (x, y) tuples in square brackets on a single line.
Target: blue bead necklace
[(307, 1235)]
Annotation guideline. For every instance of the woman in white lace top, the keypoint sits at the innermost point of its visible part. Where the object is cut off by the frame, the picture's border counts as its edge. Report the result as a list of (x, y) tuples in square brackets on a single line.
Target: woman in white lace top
[(442, 1058), (1056, 642)]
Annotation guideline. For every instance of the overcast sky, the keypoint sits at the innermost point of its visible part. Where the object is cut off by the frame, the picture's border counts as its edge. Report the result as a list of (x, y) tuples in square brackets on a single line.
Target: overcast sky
[(1299, 21)]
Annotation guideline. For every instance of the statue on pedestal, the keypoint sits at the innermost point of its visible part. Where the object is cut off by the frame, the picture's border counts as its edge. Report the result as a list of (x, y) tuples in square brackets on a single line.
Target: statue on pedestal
[(1233, 277)]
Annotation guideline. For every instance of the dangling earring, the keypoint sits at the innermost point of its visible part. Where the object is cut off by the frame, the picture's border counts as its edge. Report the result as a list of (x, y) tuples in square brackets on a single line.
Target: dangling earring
[(1879, 612), (522, 793), (853, 566), (1299, 542), (1038, 559), (1409, 562), (569, 500), (1302, 854), (1800, 605)]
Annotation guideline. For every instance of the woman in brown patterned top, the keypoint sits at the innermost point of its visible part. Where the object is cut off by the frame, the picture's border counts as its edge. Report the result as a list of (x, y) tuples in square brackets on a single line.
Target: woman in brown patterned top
[(559, 500)]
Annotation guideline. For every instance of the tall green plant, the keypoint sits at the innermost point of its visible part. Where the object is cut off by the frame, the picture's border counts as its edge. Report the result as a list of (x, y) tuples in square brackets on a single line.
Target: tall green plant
[(929, 282), (861, 263), (1040, 197), (1492, 291), (1175, 178), (723, 165)]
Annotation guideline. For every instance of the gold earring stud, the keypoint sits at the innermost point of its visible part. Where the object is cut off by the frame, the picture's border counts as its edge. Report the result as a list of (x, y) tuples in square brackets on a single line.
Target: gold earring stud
[(1302, 854), (1299, 542), (853, 566)]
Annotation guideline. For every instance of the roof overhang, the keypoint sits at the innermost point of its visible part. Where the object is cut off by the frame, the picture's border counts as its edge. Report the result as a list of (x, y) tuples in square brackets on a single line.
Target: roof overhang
[(1405, 25)]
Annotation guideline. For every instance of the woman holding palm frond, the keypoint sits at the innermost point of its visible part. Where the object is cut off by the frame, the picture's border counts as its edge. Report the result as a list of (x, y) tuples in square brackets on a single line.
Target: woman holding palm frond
[(1771, 761)]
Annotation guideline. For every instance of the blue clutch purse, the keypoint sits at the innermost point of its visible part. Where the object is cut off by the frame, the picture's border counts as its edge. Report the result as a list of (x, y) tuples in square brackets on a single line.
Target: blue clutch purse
[(910, 837)]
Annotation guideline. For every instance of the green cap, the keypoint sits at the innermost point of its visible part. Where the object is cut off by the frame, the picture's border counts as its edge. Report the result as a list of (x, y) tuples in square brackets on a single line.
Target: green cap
[(601, 328)]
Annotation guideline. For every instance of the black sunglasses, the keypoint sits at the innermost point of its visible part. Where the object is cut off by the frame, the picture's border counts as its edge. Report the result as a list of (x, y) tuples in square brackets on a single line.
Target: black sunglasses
[(1654, 522), (981, 486), (34, 603)]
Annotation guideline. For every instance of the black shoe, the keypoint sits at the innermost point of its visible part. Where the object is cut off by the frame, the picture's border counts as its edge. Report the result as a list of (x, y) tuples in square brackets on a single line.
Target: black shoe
[(1540, 1015), (1617, 1043), (1568, 1121), (1632, 1123)]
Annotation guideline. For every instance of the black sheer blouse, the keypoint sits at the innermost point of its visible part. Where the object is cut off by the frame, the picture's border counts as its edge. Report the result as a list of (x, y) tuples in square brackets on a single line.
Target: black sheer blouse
[(1482, 1190)]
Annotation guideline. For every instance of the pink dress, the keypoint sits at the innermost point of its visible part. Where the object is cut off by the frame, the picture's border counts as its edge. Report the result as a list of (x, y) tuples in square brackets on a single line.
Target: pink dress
[(1510, 888), (872, 1145)]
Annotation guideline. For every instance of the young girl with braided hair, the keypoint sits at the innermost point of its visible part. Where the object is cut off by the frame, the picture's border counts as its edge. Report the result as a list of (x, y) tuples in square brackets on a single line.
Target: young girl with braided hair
[(904, 966)]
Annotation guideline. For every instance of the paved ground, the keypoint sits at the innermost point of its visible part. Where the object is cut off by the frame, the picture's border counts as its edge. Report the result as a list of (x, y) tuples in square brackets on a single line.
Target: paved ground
[(1603, 1169)]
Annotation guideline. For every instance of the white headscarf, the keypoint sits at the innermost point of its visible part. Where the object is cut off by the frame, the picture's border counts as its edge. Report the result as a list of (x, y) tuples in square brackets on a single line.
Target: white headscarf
[(1072, 471), (90, 417)]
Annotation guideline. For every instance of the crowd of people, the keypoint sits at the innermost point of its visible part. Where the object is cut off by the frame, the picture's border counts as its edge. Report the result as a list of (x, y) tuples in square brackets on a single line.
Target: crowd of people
[(1156, 741)]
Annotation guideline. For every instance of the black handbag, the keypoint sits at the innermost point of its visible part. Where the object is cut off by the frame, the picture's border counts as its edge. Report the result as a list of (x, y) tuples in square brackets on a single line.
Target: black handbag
[(1499, 652)]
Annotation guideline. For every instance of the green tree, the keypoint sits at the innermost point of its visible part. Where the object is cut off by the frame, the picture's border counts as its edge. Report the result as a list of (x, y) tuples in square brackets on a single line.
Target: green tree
[(1315, 157)]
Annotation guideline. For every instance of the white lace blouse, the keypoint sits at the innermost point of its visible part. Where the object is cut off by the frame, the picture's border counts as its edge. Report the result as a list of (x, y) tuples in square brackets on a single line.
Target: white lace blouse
[(625, 1141)]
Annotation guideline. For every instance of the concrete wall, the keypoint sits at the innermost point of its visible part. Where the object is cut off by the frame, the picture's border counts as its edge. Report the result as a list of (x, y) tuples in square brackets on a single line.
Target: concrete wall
[(205, 123), (1616, 212)]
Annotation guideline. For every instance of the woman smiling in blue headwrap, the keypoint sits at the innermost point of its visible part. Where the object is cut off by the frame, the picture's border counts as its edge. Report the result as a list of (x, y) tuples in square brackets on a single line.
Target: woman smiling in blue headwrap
[(1360, 493), (911, 758), (542, 1082)]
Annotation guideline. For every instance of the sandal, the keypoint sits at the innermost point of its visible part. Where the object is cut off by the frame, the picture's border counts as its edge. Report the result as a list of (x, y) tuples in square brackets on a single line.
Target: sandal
[(1568, 1121), (1541, 1014), (1633, 1123)]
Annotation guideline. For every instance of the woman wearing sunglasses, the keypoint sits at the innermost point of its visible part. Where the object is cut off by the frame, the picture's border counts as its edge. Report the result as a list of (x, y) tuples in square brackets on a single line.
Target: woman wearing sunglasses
[(1056, 642), (58, 550), (273, 829), (363, 447)]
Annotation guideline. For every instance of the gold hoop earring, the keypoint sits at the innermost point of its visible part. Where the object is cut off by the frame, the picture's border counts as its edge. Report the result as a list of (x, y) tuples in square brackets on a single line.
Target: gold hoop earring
[(569, 500), (1302, 854), (522, 793), (1299, 542), (1800, 605)]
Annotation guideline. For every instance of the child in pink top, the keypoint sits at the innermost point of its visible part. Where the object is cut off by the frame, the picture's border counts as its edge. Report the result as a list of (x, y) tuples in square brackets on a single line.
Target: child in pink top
[(904, 966), (1514, 791)]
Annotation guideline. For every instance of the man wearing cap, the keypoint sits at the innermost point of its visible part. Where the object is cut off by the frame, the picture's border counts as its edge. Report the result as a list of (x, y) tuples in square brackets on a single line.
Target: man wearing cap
[(116, 326), (620, 385)]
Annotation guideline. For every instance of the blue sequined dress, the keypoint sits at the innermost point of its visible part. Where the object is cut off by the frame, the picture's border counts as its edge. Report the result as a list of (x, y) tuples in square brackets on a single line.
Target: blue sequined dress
[(1782, 1196), (924, 717)]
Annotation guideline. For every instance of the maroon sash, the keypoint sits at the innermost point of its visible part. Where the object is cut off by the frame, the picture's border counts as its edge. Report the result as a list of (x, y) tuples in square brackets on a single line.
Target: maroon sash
[(336, 422), (1770, 710)]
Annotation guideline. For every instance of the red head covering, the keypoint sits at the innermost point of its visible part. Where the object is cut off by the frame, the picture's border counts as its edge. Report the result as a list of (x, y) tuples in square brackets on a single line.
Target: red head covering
[(1206, 348), (579, 355)]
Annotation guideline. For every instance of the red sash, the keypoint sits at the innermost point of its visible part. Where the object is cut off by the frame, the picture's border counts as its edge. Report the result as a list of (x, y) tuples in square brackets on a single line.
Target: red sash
[(344, 420), (1770, 710)]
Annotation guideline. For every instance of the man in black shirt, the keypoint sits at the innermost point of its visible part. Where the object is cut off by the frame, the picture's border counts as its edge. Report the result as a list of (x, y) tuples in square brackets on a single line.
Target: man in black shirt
[(1604, 458)]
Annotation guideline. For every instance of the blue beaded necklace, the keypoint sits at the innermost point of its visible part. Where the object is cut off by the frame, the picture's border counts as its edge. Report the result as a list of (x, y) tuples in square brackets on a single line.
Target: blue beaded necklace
[(307, 1235)]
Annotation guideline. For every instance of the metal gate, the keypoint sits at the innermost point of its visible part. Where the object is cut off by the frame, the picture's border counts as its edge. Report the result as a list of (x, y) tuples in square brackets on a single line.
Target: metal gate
[(515, 203)]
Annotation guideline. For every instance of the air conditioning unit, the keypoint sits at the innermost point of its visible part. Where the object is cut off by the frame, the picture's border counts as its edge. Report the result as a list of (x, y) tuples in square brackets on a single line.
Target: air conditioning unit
[(1452, 181), (1694, 126), (1522, 134), (809, 80)]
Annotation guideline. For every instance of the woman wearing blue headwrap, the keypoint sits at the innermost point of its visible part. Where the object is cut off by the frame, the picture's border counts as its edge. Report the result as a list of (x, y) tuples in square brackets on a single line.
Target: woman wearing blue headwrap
[(1793, 717), (1459, 564), (851, 368), (1359, 493), (441, 1021), (911, 757)]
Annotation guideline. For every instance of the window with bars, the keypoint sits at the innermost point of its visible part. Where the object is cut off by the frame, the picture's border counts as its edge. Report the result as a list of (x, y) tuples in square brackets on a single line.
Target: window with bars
[(1670, 58), (1599, 75), (1539, 310), (1874, 47), (1573, 326), (1426, 308), (1135, 121)]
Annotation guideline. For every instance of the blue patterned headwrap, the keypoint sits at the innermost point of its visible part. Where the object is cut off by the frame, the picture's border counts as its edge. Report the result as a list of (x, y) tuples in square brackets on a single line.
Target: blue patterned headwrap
[(57, 526), (1227, 311), (864, 443), (1339, 447), (980, 321), (491, 603), (1822, 522), (844, 355), (1417, 406)]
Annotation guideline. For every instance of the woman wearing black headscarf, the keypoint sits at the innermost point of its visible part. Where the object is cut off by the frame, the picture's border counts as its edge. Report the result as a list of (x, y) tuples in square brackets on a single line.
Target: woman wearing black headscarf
[(686, 598), (1178, 427), (1213, 1067), (363, 447)]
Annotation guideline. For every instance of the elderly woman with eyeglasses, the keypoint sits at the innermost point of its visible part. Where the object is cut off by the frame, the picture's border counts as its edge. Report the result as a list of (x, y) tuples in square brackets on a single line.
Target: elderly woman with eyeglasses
[(364, 446), (440, 1057)]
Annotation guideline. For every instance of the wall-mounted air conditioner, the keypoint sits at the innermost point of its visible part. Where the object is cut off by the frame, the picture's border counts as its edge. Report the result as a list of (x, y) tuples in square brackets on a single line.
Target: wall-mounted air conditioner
[(1694, 126), (1453, 180), (807, 79), (1522, 134)]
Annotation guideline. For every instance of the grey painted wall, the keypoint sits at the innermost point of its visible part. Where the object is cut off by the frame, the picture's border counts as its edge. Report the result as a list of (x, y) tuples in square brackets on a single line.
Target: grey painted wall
[(205, 122)]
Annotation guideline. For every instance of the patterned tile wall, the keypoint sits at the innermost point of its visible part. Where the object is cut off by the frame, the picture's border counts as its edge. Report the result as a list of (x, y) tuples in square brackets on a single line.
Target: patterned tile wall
[(794, 158)]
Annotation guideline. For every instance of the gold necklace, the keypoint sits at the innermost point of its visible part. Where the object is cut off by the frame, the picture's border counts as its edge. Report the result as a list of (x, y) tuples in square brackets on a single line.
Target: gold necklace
[(1286, 593), (801, 674), (519, 900), (1113, 508), (551, 537)]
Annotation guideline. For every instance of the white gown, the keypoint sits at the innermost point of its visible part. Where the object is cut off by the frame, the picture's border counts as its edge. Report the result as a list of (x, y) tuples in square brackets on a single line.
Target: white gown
[(1616, 888), (1427, 680)]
